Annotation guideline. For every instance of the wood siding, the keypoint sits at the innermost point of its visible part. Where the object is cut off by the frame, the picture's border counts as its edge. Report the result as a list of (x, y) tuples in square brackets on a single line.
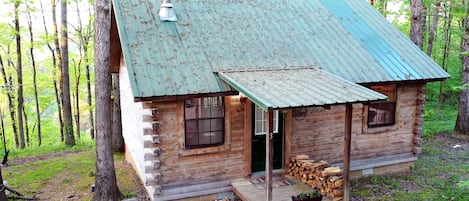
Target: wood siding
[(180, 166), (320, 132)]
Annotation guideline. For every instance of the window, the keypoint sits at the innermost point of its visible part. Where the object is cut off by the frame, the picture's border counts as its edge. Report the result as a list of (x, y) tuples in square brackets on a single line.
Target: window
[(204, 122), (259, 121), (383, 113)]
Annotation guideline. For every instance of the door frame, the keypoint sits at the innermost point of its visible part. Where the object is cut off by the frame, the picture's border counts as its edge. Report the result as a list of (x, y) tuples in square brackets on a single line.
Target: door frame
[(286, 139)]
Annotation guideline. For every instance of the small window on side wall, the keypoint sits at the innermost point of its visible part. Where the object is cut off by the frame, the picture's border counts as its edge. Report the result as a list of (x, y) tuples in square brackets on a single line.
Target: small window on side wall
[(383, 113), (204, 120)]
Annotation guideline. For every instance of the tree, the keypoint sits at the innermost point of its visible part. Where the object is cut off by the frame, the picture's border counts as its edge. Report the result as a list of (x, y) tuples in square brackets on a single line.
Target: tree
[(83, 32), (57, 62), (106, 184), (66, 103), (8, 81), (462, 121), (416, 33), (433, 28), (447, 41), (88, 78), (19, 73), (2, 126), (33, 63), (117, 138), (3, 196)]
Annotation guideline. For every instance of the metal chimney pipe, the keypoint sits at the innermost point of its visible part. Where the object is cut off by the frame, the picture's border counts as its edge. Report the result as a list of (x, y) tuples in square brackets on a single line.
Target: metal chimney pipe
[(167, 12)]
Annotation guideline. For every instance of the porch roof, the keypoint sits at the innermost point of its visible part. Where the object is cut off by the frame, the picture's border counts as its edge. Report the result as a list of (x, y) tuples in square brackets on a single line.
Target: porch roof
[(296, 87)]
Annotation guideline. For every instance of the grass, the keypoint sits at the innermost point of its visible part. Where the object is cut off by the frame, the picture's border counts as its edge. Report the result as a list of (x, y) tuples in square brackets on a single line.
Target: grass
[(72, 174), (440, 173), (50, 145)]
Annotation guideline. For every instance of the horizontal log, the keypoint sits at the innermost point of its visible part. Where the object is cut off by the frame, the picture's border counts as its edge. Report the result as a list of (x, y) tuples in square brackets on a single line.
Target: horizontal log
[(155, 179), (417, 150), (417, 140), (155, 165), (155, 139), (157, 190)]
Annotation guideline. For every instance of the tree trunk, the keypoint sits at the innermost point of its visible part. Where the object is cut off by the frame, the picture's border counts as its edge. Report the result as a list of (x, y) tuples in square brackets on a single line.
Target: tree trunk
[(7, 79), (3, 196), (89, 100), (19, 73), (26, 127), (425, 11), (58, 64), (117, 138), (66, 103), (416, 33), (431, 35), (2, 125), (462, 121), (33, 62), (383, 7), (106, 184), (447, 34), (77, 100), (88, 78)]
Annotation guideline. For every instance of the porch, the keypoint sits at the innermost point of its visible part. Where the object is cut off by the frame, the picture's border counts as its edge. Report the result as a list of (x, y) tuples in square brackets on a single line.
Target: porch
[(247, 191)]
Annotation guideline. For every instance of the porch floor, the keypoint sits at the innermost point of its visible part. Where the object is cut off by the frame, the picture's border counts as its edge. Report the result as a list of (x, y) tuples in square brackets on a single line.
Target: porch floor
[(246, 191)]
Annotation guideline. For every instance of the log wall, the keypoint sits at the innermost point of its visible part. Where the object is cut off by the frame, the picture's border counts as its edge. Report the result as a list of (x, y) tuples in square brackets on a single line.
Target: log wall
[(179, 166), (320, 132)]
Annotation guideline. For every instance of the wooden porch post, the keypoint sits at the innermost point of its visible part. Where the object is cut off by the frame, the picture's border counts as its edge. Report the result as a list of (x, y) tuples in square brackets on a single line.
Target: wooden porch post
[(347, 141), (268, 154)]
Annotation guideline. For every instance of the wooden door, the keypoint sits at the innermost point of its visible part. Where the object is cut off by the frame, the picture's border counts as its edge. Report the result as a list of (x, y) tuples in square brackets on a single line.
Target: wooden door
[(258, 139)]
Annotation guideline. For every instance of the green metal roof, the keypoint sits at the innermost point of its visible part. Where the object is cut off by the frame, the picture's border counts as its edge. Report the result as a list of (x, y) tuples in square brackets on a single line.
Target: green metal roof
[(347, 38), (297, 87)]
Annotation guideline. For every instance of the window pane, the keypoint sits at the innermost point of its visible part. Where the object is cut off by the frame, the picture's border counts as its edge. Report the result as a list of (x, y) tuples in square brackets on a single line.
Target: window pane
[(205, 111), (190, 108), (217, 137), (275, 121), (259, 113), (204, 138), (260, 128), (204, 126), (191, 126), (381, 114), (217, 111), (191, 139), (216, 124)]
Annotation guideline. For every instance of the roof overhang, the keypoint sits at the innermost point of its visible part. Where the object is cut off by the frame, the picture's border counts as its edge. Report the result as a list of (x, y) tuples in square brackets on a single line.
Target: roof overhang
[(296, 87)]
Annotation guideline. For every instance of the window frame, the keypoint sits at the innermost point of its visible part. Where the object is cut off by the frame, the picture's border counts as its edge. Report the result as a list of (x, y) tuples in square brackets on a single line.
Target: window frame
[(262, 121), (200, 102), (384, 123), (392, 95)]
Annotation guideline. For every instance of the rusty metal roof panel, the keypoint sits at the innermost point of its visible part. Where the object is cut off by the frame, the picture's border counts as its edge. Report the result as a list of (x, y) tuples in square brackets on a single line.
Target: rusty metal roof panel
[(347, 38), (297, 87)]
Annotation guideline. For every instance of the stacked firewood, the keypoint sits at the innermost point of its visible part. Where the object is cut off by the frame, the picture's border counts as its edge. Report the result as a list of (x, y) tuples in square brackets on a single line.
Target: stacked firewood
[(318, 174)]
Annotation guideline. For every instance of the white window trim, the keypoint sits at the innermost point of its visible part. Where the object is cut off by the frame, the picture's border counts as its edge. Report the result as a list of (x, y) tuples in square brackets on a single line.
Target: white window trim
[(262, 120)]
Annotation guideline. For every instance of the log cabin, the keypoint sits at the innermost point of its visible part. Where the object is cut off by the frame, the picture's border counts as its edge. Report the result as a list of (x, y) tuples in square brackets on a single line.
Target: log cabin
[(213, 91)]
